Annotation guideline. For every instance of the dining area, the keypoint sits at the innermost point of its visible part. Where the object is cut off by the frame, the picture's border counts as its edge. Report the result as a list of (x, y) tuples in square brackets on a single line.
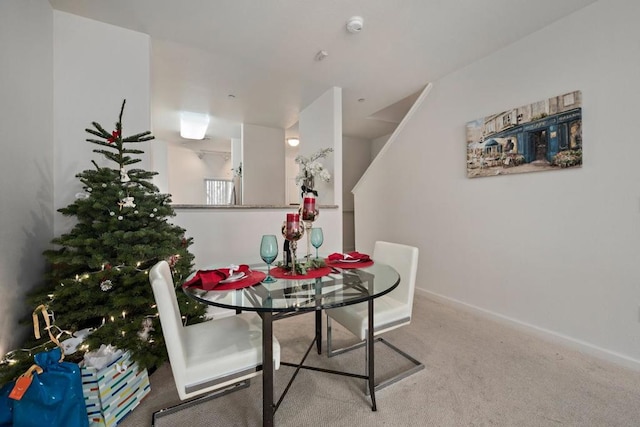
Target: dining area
[(478, 371), (213, 359), (343, 339)]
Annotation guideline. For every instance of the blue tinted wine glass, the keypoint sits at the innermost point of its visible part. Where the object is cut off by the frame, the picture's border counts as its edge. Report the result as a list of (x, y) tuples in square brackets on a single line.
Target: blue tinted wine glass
[(316, 239), (269, 252)]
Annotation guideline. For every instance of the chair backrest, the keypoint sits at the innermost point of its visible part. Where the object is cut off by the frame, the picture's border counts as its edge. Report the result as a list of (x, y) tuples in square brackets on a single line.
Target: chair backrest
[(170, 319), (405, 260)]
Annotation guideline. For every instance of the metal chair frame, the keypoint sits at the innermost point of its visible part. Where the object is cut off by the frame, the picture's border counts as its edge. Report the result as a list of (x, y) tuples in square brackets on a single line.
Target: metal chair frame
[(405, 259), (331, 352)]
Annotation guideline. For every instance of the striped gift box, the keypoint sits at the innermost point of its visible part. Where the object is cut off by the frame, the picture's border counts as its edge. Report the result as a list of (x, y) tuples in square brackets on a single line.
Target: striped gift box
[(113, 391)]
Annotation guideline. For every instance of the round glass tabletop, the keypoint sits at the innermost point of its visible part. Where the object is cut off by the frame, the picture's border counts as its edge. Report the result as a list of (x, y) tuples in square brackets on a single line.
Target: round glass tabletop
[(341, 287)]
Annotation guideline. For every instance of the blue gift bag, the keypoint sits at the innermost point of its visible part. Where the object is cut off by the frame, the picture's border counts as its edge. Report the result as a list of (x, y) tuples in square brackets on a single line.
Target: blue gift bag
[(54, 398), (49, 393), (6, 405)]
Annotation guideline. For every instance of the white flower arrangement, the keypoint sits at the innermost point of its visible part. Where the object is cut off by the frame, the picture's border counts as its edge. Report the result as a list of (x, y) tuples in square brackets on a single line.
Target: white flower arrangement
[(310, 167)]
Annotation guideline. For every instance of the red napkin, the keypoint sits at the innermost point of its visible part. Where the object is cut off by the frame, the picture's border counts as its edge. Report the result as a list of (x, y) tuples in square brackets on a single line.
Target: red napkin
[(208, 279), (349, 256)]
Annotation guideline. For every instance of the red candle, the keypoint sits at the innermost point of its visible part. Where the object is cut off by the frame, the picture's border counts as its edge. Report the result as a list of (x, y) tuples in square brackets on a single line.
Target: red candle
[(293, 225), (309, 209)]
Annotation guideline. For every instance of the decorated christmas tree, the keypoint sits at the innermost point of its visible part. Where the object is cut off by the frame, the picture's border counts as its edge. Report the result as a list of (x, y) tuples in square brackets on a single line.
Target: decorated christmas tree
[(99, 270)]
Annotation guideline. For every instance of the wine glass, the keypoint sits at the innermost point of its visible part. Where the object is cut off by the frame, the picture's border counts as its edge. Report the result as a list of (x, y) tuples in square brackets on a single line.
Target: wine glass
[(269, 252), (317, 238)]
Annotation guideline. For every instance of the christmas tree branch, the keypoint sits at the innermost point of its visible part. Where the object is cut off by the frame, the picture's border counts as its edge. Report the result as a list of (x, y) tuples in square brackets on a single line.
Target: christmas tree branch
[(132, 151), (109, 155), (139, 137), (124, 101), (101, 131), (104, 144)]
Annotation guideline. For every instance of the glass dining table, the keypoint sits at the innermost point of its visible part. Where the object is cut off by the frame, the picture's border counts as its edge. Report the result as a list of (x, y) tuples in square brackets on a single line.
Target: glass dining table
[(293, 296)]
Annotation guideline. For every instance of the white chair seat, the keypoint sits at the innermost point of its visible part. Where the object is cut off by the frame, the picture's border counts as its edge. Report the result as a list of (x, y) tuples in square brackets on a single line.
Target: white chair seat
[(387, 311), (235, 344)]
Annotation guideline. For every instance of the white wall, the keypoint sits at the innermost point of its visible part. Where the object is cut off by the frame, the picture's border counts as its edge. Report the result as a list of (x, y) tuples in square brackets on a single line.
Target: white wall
[(356, 157), (291, 170), (320, 125), (558, 251), (185, 188), (236, 153), (263, 166), (377, 144), (160, 163), (26, 168), (95, 67), (226, 236), (218, 164), (189, 188)]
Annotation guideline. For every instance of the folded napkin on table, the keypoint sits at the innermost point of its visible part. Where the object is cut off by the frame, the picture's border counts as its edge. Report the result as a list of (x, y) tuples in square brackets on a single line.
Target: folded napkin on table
[(209, 279), (349, 257)]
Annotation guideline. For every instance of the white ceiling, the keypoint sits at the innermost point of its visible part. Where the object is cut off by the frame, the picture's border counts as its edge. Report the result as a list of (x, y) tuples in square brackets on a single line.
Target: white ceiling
[(263, 53)]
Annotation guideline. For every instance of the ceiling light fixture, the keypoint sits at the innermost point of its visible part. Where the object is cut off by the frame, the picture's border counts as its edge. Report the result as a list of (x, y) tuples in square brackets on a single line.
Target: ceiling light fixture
[(193, 125), (355, 24), (293, 142)]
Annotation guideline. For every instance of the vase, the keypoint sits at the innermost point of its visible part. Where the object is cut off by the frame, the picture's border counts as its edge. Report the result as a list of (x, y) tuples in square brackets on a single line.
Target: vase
[(308, 184)]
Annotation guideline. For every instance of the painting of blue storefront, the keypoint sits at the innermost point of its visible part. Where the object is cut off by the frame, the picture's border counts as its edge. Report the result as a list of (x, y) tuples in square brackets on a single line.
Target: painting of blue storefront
[(544, 138), (541, 136)]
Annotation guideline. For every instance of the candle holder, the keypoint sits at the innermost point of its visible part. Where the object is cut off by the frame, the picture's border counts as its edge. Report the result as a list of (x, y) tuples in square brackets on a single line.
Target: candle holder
[(292, 231), (308, 213)]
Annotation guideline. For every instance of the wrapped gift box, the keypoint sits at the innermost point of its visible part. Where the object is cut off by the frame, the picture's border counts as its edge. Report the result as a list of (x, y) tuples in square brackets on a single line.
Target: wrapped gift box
[(112, 392)]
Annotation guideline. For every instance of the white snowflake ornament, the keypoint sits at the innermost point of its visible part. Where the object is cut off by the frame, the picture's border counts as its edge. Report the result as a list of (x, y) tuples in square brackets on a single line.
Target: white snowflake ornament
[(147, 327), (106, 285), (127, 202), (124, 177)]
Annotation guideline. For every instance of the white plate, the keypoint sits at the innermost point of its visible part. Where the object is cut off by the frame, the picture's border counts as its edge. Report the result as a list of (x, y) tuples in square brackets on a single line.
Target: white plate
[(234, 277), (349, 260)]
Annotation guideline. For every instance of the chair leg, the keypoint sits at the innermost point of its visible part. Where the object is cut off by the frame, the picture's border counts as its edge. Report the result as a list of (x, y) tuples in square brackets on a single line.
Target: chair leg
[(201, 399), (330, 351), (418, 366)]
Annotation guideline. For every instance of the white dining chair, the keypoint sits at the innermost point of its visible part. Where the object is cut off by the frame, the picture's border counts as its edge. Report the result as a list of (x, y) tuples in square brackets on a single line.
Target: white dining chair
[(391, 311), (211, 358)]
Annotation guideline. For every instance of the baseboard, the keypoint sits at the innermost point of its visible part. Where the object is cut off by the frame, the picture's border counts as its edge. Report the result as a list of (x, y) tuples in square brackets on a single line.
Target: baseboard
[(576, 344)]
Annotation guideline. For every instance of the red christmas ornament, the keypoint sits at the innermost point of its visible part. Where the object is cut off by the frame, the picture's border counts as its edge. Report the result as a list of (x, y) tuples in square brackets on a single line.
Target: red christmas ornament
[(114, 135)]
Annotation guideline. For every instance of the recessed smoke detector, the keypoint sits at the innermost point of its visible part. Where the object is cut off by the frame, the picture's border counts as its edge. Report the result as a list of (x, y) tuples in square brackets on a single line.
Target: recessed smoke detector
[(355, 24)]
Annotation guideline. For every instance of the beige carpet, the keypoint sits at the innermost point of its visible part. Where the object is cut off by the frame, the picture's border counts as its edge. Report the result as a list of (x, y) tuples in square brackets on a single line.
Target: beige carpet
[(477, 373)]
